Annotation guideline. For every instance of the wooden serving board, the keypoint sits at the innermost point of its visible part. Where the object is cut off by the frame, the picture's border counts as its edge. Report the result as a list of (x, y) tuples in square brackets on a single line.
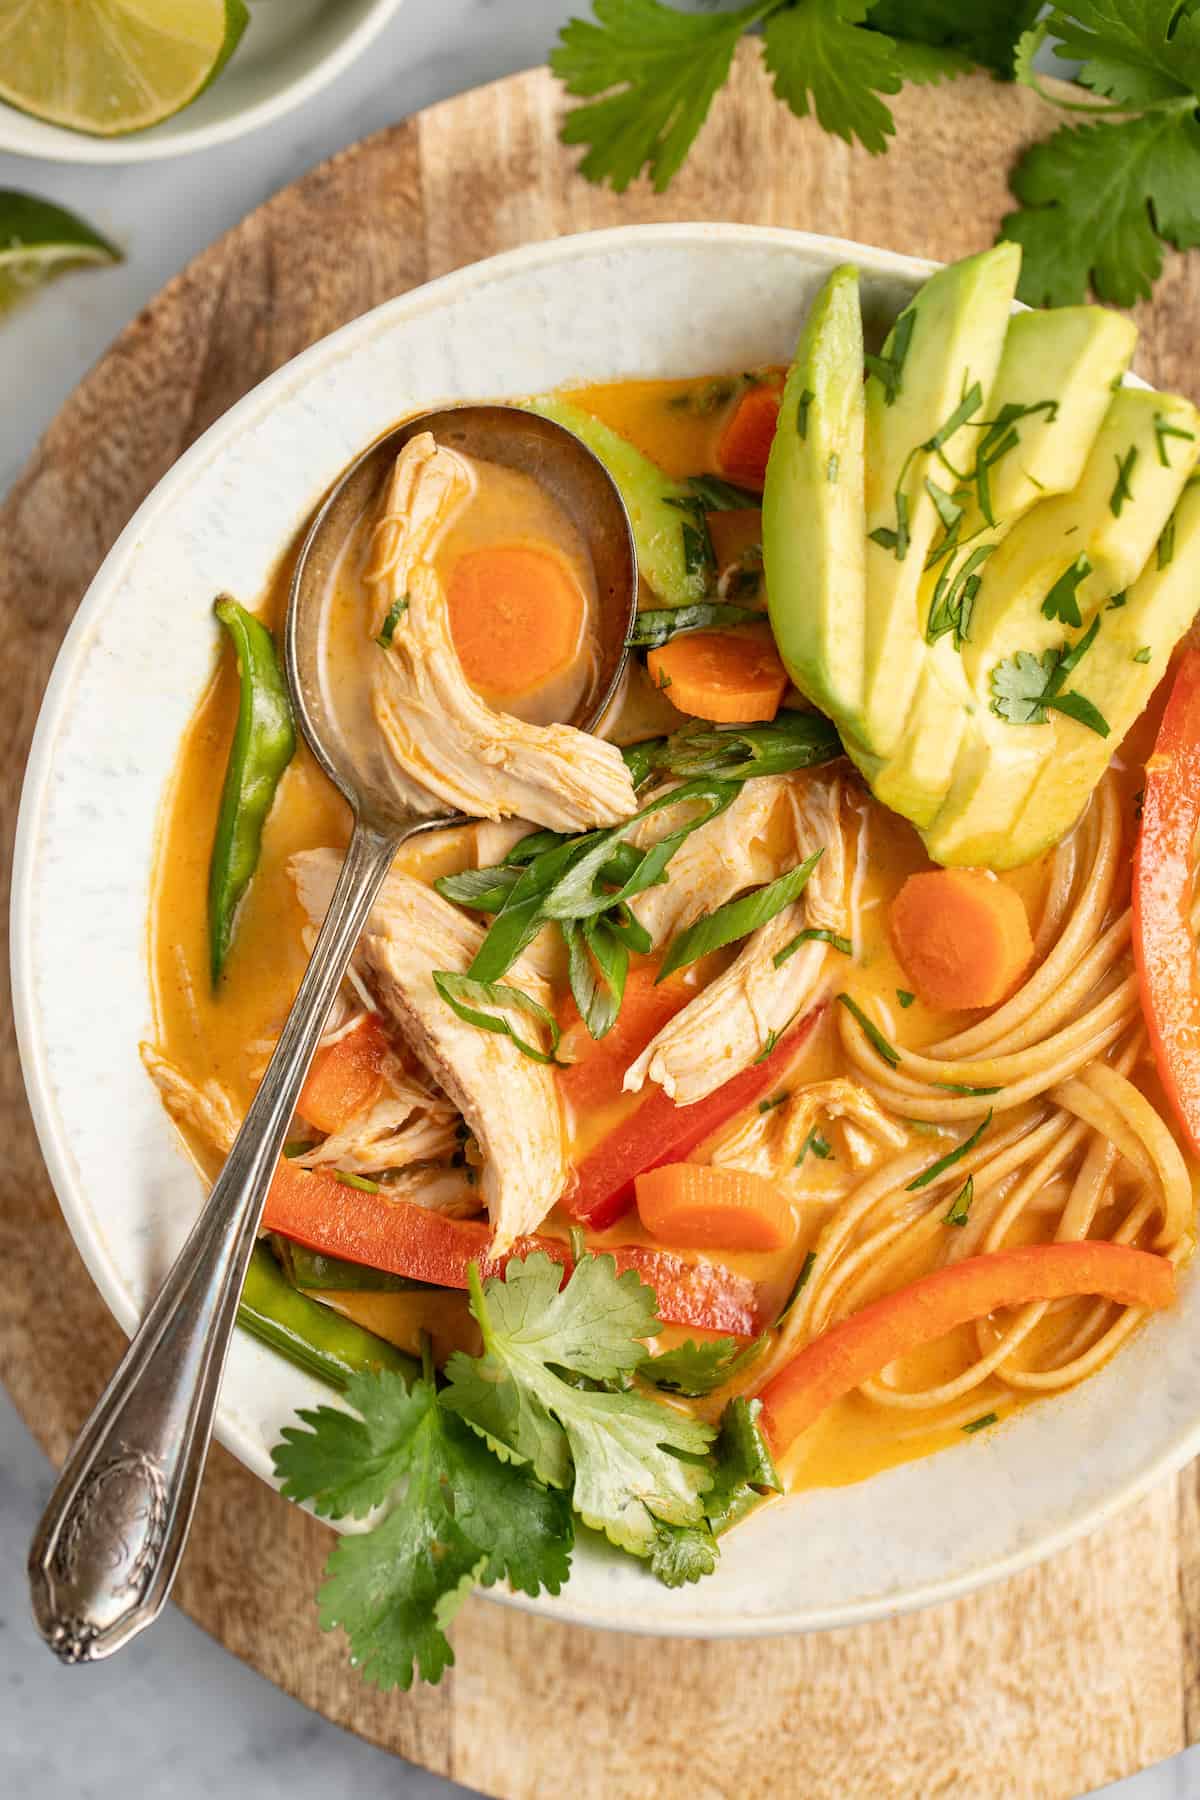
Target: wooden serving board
[(1075, 1673)]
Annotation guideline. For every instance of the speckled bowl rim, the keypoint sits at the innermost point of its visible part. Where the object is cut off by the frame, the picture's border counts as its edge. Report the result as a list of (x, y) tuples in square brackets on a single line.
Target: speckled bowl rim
[(625, 1609)]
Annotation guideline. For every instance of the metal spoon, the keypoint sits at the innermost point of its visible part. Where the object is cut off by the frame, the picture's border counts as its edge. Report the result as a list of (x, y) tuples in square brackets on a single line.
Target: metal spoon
[(108, 1545)]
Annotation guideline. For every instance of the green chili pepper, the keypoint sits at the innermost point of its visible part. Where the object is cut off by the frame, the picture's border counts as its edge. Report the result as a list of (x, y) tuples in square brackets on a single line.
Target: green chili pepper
[(310, 1269), (309, 1334), (262, 748)]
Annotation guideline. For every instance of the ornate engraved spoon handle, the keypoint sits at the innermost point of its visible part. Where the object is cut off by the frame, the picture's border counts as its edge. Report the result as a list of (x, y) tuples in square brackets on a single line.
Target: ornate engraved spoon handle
[(105, 1554)]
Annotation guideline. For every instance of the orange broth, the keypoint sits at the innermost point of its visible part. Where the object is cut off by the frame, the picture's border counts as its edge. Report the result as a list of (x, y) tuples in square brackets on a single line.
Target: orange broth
[(228, 1034)]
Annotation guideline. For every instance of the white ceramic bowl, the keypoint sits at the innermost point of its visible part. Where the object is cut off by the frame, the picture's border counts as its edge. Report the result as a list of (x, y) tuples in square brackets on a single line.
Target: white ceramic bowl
[(650, 301), (289, 51)]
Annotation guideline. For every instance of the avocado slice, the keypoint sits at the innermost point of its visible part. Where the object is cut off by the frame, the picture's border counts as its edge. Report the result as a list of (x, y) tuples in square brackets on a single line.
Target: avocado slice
[(1052, 390), (814, 517), (1119, 673), (1018, 786), (668, 531), (936, 371), (1070, 553)]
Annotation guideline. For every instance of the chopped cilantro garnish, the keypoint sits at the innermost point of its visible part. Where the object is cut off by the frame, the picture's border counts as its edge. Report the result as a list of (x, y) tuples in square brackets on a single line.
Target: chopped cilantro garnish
[(1163, 431), (817, 1144), (396, 612), (1142, 655), (1024, 686), (766, 1106), (890, 367), (1121, 488), (798, 1287), (1061, 602), (951, 1157), (960, 1206), (904, 997), (870, 1031)]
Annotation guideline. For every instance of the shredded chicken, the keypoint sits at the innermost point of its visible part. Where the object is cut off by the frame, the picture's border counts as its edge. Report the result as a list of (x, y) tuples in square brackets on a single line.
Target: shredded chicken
[(207, 1110), (450, 748), (770, 1143), (408, 1124), (729, 1022), (732, 852), (508, 1101), (451, 1192)]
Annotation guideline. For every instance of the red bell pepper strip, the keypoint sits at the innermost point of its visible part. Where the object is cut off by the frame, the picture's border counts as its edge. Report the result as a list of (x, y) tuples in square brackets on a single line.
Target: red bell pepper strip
[(345, 1078), (1163, 945), (661, 1132), (848, 1354), (315, 1209)]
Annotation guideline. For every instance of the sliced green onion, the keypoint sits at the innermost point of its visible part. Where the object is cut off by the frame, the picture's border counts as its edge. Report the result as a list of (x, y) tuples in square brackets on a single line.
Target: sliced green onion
[(737, 918), (813, 934), (467, 997)]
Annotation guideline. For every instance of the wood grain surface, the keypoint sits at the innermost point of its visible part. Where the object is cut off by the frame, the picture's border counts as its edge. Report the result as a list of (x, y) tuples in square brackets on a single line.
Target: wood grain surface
[(1048, 1685)]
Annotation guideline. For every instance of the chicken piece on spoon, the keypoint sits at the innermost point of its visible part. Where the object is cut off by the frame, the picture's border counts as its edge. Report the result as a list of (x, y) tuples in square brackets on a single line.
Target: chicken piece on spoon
[(449, 746)]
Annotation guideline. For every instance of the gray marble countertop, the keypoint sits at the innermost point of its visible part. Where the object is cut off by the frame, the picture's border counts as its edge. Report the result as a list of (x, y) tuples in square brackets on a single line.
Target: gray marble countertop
[(176, 1717)]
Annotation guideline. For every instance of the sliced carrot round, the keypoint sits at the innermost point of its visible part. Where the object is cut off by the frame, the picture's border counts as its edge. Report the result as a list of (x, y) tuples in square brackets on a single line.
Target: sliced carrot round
[(848, 1354), (732, 677), (962, 937), (700, 1208), (746, 441), (516, 616)]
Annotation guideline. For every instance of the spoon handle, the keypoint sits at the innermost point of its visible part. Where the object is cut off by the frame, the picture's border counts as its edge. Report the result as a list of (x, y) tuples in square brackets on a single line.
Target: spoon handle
[(108, 1545)]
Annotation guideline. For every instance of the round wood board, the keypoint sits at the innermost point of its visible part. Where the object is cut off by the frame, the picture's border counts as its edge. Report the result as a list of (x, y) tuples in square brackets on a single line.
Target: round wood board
[(1049, 1684)]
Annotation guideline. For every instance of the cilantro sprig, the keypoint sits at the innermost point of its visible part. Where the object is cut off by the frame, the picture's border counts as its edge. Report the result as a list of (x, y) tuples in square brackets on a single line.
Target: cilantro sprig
[(1097, 199), (479, 1480)]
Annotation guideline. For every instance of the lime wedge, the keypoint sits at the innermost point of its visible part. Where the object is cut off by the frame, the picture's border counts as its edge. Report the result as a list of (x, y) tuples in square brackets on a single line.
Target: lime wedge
[(38, 240), (112, 66)]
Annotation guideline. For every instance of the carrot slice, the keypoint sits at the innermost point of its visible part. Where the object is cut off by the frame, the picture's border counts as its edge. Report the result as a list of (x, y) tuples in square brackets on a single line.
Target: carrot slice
[(733, 677), (596, 1066), (345, 1078), (848, 1354), (702, 1208), (746, 441), (516, 616), (313, 1208), (962, 937)]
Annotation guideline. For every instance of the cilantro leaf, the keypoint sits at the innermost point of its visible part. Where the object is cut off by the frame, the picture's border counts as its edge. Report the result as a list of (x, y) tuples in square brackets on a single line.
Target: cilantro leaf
[(824, 62), (695, 1369), (1134, 52), (1018, 687), (984, 32), (657, 71), (1099, 199), (457, 1516), (683, 1553), (745, 1467), (636, 1462)]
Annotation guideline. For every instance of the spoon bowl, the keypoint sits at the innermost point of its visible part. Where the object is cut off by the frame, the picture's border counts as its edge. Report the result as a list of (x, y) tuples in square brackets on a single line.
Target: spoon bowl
[(516, 439)]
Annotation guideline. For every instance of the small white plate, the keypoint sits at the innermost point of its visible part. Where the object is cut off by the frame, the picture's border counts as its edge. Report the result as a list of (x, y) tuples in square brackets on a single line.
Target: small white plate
[(649, 301), (288, 52)]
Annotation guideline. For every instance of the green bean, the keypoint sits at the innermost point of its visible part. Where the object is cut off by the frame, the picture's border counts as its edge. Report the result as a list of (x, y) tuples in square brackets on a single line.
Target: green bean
[(263, 743), (310, 1269), (311, 1335)]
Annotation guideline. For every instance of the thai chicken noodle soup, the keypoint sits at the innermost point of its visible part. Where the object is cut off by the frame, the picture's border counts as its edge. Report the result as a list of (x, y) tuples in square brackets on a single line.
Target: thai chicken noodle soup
[(801, 1073)]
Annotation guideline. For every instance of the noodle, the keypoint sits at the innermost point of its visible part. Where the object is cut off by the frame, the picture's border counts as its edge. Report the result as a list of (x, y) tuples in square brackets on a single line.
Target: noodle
[(1069, 1129)]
